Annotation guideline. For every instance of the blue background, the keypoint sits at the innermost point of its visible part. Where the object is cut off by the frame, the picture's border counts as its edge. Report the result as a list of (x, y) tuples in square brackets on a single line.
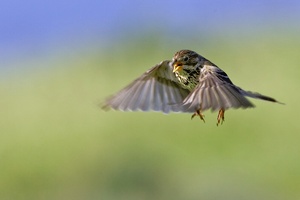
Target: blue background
[(35, 28)]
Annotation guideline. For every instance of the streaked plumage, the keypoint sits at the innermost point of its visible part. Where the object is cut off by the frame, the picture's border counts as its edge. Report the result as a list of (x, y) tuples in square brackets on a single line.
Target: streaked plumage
[(189, 83)]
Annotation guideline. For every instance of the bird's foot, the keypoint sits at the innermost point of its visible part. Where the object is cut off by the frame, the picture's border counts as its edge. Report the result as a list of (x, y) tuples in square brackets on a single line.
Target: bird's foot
[(198, 113), (220, 118)]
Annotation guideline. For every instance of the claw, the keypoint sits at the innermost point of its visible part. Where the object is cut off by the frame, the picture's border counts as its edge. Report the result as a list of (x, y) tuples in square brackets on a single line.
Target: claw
[(198, 113), (220, 117)]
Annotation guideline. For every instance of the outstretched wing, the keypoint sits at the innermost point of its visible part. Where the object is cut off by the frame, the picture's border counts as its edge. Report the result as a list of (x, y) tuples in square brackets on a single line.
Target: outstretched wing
[(215, 91), (157, 89)]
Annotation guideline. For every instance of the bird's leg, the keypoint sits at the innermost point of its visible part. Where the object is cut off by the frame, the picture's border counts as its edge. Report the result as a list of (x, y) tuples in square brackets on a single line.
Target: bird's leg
[(198, 113), (220, 117)]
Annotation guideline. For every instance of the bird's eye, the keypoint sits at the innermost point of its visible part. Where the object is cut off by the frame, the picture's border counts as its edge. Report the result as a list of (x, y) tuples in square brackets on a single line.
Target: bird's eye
[(185, 58)]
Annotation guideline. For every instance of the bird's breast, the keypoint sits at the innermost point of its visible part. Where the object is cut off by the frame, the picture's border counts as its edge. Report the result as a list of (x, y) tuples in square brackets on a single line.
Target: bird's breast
[(188, 79)]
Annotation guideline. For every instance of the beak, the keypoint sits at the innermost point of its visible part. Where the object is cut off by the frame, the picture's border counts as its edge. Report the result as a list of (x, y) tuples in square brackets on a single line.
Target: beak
[(177, 67)]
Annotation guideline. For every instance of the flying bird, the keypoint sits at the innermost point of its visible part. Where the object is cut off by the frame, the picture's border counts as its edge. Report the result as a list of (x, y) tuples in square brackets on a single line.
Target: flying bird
[(189, 83)]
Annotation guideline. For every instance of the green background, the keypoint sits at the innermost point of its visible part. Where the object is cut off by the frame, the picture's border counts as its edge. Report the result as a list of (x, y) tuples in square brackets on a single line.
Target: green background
[(57, 143)]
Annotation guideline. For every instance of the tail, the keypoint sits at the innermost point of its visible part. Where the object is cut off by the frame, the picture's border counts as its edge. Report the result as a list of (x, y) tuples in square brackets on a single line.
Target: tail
[(259, 96)]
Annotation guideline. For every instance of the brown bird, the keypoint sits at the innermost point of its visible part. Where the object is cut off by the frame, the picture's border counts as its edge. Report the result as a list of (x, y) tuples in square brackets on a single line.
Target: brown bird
[(189, 83)]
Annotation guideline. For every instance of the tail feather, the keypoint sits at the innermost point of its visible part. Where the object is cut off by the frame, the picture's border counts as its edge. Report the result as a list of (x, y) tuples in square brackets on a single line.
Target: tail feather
[(260, 96)]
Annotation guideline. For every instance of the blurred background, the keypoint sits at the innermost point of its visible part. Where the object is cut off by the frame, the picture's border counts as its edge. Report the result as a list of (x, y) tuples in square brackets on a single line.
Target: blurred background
[(60, 59)]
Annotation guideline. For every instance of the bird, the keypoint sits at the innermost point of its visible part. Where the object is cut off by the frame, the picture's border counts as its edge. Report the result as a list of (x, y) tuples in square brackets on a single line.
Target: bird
[(189, 83)]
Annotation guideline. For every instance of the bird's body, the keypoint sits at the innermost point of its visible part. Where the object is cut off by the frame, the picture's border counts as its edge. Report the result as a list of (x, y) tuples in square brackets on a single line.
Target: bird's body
[(189, 83)]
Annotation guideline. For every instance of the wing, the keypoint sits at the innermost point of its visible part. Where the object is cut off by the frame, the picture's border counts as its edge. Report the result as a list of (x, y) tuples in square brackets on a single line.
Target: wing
[(215, 91), (157, 89)]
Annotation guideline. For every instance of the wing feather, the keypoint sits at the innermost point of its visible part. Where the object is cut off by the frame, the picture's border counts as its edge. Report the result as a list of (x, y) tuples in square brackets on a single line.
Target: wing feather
[(215, 91), (157, 89)]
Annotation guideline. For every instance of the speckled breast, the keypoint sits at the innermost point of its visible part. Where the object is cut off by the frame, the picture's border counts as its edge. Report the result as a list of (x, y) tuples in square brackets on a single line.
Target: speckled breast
[(188, 79)]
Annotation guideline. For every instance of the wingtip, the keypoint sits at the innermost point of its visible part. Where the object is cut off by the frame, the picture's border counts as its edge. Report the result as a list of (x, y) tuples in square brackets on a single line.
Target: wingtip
[(104, 106)]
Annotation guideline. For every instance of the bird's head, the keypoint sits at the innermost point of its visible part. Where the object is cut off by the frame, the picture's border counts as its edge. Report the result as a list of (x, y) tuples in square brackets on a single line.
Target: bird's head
[(185, 59)]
